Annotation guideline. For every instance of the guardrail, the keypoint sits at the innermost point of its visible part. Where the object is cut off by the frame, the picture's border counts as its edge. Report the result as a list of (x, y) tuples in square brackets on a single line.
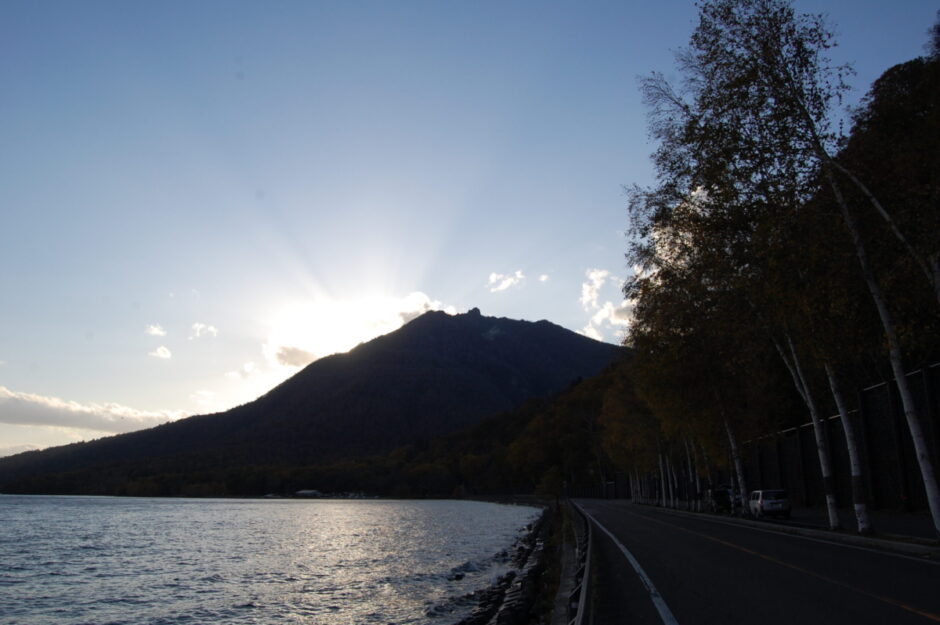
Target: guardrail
[(578, 606)]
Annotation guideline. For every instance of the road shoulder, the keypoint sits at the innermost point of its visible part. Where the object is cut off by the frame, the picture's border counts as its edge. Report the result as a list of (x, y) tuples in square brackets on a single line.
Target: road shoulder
[(906, 545)]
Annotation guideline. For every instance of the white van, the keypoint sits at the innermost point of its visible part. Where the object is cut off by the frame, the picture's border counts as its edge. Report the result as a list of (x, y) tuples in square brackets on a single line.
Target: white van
[(769, 503)]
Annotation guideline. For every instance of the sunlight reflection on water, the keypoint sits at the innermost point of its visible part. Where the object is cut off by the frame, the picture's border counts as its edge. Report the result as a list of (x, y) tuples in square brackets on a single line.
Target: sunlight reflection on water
[(151, 561)]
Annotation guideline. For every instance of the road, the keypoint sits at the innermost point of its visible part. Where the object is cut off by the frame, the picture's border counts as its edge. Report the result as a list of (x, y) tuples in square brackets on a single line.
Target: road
[(709, 571)]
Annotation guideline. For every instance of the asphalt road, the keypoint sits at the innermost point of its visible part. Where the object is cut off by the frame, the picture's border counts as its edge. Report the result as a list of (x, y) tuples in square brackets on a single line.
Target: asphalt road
[(709, 571)]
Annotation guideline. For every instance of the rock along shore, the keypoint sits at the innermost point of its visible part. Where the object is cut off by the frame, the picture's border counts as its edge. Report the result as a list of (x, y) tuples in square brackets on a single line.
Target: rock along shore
[(510, 600)]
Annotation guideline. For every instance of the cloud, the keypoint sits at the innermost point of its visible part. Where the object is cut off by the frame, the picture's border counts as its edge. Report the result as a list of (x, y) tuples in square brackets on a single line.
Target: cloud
[(606, 316), (161, 352), (294, 356), (416, 304), (590, 289), (591, 332), (202, 329), (543, 277), (616, 315), (37, 410), (155, 330), (501, 282)]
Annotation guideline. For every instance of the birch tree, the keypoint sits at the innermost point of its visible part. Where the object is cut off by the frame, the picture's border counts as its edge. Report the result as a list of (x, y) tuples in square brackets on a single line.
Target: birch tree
[(756, 138)]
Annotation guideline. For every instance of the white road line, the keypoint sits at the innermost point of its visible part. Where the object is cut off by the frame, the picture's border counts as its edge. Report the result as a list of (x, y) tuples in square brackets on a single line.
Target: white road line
[(664, 612), (783, 530)]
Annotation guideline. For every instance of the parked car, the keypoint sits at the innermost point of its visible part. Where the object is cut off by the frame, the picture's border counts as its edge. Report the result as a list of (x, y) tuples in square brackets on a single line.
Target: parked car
[(769, 503)]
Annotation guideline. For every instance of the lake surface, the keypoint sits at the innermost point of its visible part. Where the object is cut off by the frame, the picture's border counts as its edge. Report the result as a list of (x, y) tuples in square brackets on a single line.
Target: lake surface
[(100, 560)]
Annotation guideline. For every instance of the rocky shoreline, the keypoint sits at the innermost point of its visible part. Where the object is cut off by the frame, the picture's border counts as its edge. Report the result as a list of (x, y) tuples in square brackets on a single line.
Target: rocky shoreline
[(510, 600)]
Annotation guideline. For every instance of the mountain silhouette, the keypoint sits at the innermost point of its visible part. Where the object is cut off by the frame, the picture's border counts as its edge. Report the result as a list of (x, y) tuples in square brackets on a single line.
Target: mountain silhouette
[(436, 375)]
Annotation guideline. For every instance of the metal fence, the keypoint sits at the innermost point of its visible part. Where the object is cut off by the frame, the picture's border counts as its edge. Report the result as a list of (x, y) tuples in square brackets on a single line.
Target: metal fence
[(788, 459), (891, 475)]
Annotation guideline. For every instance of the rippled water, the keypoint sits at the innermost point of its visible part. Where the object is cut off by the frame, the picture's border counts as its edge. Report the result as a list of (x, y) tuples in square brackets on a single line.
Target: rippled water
[(101, 560)]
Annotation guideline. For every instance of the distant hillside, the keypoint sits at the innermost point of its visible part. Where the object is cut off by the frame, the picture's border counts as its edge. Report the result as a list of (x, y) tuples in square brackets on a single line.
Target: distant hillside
[(436, 375)]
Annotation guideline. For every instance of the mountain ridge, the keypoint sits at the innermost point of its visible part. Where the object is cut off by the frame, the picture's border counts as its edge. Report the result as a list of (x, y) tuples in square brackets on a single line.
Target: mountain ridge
[(435, 375)]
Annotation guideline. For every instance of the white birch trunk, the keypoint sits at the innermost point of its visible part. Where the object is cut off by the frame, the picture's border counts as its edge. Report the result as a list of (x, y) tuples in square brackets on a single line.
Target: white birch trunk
[(859, 502), (693, 501), (675, 483), (921, 451), (802, 388), (662, 480), (822, 451), (670, 481), (708, 467), (698, 480), (738, 465), (929, 266)]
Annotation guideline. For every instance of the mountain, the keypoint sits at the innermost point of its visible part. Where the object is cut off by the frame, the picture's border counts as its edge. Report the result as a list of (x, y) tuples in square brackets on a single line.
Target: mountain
[(435, 375)]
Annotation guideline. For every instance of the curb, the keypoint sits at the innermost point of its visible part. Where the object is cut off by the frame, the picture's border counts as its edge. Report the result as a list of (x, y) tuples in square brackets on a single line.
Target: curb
[(895, 545)]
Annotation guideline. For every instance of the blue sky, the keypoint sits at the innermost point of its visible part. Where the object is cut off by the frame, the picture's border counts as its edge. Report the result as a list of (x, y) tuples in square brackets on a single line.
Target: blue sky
[(198, 197)]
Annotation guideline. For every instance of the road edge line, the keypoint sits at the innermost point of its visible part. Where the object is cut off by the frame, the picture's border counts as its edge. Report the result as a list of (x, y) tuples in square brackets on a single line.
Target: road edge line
[(658, 602), (915, 551)]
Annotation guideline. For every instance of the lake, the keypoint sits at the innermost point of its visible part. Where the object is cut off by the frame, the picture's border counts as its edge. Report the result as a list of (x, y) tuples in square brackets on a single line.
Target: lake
[(101, 560)]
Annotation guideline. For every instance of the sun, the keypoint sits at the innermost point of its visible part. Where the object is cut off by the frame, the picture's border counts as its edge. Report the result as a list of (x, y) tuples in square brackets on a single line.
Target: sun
[(303, 331)]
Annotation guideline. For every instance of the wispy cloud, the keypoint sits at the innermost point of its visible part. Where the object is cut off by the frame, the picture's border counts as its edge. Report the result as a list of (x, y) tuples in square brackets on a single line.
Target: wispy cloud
[(294, 356), (591, 332), (37, 410), (155, 330), (416, 304), (614, 319), (606, 316), (543, 277), (161, 352), (614, 315), (590, 289), (501, 282), (200, 330)]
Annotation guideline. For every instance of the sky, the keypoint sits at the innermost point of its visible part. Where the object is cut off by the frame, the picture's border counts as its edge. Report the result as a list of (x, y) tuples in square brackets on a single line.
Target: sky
[(199, 198)]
